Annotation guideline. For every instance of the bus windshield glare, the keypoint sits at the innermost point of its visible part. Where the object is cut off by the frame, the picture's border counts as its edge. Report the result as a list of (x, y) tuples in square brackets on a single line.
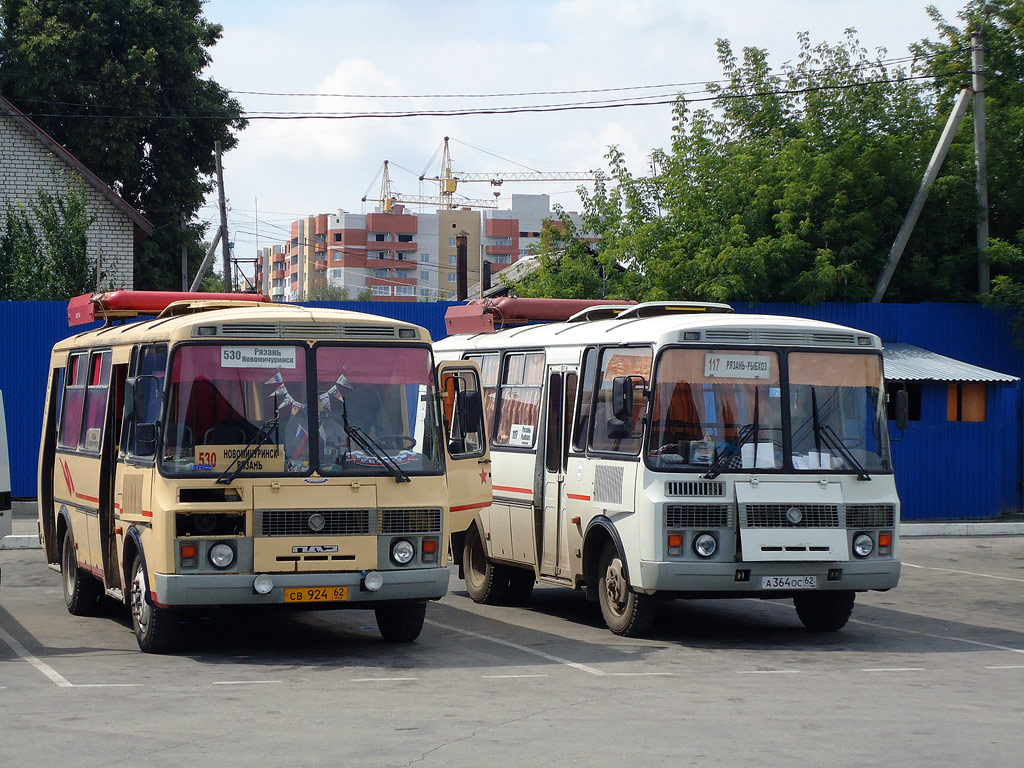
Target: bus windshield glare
[(723, 409), (284, 410)]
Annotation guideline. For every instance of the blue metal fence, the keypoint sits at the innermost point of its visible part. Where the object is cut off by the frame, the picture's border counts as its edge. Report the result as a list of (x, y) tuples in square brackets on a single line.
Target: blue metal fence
[(944, 470)]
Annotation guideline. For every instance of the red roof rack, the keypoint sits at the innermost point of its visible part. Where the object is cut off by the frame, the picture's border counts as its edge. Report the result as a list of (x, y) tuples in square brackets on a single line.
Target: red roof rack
[(127, 304)]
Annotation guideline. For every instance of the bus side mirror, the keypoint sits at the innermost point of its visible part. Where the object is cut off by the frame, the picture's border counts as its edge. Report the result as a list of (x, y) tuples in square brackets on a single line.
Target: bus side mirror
[(129, 399), (622, 398), (469, 411), (902, 409)]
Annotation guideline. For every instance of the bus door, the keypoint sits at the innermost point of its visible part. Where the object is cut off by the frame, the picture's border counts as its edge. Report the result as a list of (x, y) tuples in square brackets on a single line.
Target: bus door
[(108, 464), (469, 459), (561, 401)]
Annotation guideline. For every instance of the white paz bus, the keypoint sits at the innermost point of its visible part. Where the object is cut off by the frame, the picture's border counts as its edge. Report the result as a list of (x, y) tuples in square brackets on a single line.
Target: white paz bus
[(674, 450), (235, 452)]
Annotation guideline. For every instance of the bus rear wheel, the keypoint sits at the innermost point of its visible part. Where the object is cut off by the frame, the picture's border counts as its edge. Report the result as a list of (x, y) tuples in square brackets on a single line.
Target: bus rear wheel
[(81, 591), (155, 628), (400, 622), (824, 611), (486, 582), (627, 613)]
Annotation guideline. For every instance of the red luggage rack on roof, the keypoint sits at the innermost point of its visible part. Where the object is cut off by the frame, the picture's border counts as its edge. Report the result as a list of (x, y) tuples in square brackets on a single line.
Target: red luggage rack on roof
[(128, 304)]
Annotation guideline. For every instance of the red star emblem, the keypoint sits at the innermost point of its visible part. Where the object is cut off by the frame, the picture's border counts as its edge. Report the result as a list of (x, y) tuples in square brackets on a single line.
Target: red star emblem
[(483, 475)]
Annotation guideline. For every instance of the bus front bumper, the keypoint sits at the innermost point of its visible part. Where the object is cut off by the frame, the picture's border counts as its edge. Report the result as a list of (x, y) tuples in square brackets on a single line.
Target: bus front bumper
[(239, 589), (692, 579)]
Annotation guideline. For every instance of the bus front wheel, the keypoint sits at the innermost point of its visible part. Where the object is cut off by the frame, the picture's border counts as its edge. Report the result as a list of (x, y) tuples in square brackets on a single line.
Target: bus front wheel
[(155, 628), (485, 581), (824, 611), (627, 613), (400, 622), (81, 591)]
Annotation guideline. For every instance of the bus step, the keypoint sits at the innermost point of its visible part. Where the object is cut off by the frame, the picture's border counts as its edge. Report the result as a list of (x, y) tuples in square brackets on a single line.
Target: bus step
[(115, 592)]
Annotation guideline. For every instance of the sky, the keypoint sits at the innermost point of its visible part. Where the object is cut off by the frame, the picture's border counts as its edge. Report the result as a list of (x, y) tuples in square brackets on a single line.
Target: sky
[(387, 55)]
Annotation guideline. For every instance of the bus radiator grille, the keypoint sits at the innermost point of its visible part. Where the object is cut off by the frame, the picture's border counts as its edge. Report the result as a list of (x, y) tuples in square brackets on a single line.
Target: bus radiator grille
[(314, 522), (410, 521), (695, 488), (870, 515), (697, 516), (775, 516)]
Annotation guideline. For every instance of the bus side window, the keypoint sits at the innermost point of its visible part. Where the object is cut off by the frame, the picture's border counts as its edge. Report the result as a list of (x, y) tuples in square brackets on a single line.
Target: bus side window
[(588, 377), (72, 402), (143, 399), (95, 402)]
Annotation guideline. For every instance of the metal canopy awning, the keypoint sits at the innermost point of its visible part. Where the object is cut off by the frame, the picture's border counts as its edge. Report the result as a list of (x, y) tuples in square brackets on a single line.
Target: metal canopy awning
[(905, 362)]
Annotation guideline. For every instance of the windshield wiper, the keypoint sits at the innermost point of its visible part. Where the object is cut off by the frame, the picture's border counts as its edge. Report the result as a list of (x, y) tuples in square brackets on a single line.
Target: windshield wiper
[(256, 442), (371, 446), (823, 433), (746, 433)]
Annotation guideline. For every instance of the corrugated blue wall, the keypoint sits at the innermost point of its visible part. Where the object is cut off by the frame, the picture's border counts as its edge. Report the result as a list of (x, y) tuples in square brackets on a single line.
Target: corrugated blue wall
[(943, 470)]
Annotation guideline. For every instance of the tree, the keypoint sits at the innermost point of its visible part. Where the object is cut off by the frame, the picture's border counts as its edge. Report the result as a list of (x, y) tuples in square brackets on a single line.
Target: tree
[(791, 187), (324, 291), (119, 84), (43, 249), (366, 294)]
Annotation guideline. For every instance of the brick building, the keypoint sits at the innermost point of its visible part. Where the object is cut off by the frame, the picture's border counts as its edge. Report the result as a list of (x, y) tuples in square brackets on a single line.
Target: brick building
[(31, 160), (398, 255)]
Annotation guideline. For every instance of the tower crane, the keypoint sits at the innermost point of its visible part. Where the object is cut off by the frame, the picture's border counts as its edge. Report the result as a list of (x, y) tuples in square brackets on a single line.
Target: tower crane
[(388, 198), (448, 180)]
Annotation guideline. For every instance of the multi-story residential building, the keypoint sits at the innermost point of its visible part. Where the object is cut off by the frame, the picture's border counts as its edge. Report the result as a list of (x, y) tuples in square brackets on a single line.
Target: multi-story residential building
[(398, 255)]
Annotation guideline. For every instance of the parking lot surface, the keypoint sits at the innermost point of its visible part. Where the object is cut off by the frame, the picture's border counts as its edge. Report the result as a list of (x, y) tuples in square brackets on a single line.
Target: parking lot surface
[(931, 673)]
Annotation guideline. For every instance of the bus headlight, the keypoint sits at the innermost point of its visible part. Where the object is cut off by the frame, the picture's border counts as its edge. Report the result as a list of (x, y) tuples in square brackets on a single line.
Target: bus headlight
[(863, 545), (372, 581), (705, 545), (263, 584), (222, 555), (402, 551)]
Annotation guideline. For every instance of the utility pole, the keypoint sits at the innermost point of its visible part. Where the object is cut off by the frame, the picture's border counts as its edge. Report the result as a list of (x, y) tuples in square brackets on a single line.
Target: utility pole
[(959, 109), (981, 179), (225, 247), (184, 255)]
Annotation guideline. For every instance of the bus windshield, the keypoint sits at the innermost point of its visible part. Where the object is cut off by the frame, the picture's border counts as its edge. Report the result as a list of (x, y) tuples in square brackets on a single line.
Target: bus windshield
[(837, 412), (283, 410), (724, 410)]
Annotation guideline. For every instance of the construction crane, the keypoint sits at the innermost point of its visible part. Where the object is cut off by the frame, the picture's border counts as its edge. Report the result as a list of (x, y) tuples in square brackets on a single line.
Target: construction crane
[(448, 180), (388, 198)]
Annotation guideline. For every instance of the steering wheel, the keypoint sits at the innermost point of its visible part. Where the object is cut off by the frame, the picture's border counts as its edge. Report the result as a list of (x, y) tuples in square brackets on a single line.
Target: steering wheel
[(397, 442)]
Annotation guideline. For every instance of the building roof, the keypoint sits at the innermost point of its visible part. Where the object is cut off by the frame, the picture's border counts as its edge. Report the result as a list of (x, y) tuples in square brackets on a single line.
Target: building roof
[(137, 219), (905, 362)]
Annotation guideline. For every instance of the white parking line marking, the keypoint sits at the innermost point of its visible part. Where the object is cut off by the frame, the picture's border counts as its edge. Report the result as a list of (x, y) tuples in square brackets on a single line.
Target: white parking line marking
[(246, 682), (964, 573), (1008, 666), (767, 671), (42, 666), (895, 669), (507, 677), (938, 637), (381, 679), (523, 648)]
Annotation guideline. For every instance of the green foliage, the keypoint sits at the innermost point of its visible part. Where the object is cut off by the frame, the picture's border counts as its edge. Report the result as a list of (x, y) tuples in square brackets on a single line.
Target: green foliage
[(365, 295), (119, 84), (790, 187), (324, 291), (43, 249)]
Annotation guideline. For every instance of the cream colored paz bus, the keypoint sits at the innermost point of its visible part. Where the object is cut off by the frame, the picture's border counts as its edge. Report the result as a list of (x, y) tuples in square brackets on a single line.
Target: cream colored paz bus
[(236, 452), (680, 450)]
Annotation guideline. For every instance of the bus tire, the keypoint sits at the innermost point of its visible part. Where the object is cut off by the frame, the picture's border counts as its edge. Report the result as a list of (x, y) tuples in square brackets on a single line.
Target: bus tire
[(155, 628), (626, 612), (81, 590), (486, 582), (400, 622), (520, 585), (824, 611)]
